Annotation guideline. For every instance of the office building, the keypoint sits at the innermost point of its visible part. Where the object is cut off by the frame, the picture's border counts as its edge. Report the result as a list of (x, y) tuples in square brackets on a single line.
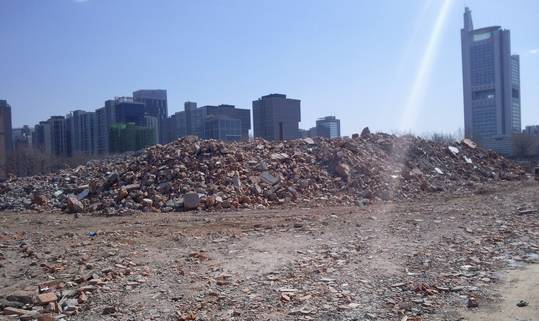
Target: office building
[(276, 117), (130, 137), (224, 122), (156, 105), (192, 119), (105, 117), (176, 126), (80, 127), (121, 110), (38, 137), (6, 143), (127, 110), (21, 137), (531, 130), (55, 136), (226, 115), (223, 128), (328, 127), (491, 84), (153, 123)]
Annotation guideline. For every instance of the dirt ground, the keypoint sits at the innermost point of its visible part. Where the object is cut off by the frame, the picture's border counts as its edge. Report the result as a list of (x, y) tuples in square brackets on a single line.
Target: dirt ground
[(421, 260), (521, 284)]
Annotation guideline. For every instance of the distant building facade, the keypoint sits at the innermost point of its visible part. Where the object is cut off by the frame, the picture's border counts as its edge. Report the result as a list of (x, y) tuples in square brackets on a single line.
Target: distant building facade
[(6, 141), (105, 117), (491, 84), (276, 117), (55, 136), (531, 130), (38, 137), (127, 110), (121, 110), (130, 137), (328, 127), (156, 105), (21, 137), (223, 122), (153, 123), (81, 135)]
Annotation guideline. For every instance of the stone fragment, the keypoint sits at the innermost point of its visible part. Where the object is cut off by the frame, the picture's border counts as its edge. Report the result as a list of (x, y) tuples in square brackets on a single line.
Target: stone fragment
[(191, 201), (308, 141), (522, 304), (45, 298), (39, 199), (343, 170), (109, 310), (472, 303), (84, 194), (469, 143), (147, 202), (26, 297), (365, 132), (15, 311), (268, 178), (74, 205), (110, 180)]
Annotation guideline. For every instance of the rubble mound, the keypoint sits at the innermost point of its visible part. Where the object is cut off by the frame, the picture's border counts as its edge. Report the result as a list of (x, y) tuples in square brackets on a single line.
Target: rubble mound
[(193, 174)]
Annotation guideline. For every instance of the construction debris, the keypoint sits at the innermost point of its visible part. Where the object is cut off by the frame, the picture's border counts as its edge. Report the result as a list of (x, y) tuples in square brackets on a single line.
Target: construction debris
[(415, 261), (191, 174)]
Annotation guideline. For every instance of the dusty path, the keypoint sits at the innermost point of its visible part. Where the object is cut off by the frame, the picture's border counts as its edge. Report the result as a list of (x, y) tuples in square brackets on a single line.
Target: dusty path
[(520, 284), (416, 260)]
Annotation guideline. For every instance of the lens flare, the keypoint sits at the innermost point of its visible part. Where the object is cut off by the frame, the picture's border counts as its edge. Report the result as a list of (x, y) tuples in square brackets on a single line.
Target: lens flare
[(419, 87)]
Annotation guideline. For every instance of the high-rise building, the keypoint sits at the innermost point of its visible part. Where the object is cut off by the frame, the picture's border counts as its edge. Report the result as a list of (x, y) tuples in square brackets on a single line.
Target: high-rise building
[(328, 127), (224, 122), (130, 137), (223, 127), (22, 137), (80, 127), (177, 126), (226, 115), (276, 117), (153, 123), (38, 138), (191, 121), (121, 110), (55, 136), (491, 83), (155, 101), (105, 117), (129, 111), (6, 143)]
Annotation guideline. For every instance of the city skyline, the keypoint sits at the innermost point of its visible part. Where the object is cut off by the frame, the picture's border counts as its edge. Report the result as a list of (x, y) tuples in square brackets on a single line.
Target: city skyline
[(355, 80)]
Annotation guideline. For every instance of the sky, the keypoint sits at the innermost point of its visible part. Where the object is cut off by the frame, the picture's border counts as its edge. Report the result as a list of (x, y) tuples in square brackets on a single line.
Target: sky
[(388, 64)]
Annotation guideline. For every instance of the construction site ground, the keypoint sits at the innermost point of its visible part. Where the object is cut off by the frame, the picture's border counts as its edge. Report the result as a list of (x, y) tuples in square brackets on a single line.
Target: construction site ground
[(445, 257)]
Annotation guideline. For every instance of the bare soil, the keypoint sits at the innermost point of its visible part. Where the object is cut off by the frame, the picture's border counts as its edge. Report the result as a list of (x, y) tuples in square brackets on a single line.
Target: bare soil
[(420, 260)]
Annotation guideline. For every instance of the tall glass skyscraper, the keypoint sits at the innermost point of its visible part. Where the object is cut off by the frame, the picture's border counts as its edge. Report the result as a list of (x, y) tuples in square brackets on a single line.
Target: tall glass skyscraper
[(491, 83)]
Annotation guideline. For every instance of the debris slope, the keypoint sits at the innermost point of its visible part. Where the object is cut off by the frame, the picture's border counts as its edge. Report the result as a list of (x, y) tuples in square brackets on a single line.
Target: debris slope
[(211, 175)]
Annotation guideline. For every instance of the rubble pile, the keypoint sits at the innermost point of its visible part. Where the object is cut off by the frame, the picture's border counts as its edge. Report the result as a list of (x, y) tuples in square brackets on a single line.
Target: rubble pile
[(193, 174)]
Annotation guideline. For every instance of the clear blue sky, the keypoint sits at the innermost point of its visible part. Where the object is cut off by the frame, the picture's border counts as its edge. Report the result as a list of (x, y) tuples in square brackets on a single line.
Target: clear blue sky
[(354, 59)]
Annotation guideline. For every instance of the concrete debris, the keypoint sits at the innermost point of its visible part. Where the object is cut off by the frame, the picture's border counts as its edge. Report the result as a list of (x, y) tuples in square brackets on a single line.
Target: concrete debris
[(365, 132), (191, 201), (468, 142), (343, 170), (74, 205), (260, 174), (522, 304)]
